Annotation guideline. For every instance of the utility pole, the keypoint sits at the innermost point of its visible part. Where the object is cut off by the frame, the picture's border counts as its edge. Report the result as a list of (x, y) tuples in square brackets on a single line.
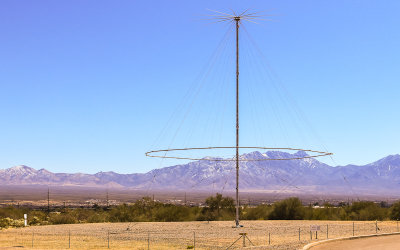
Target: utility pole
[(107, 198), (185, 199), (48, 200)]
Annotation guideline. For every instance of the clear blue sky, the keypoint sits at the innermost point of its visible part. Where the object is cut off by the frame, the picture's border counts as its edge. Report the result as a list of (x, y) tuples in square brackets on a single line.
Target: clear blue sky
[(88, 86)]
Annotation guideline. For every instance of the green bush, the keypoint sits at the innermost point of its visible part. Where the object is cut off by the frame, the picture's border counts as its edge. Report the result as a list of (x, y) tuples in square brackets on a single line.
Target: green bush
[(13, 212), (5, 222), (34, 221), (366, 210), (395, 211), (260, 212), (288, 209), (218, 208), (8, 222), (62, 218), (171, 213), (121, 213), (327, 212), (39, 216), (98, 217), (18, 223)]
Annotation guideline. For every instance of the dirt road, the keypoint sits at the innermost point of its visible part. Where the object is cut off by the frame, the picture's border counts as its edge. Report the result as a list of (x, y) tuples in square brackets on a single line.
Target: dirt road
[(382, 243)]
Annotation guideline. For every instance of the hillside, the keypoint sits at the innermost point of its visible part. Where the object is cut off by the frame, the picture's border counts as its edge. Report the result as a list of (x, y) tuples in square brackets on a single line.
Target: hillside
[(296, 176)]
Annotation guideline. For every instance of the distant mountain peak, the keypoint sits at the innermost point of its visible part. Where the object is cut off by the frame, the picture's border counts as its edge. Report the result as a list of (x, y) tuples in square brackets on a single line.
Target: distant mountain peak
[(22, 169), (254, 155), (301, 153), (393, 160), (304, 175), (284, 155)]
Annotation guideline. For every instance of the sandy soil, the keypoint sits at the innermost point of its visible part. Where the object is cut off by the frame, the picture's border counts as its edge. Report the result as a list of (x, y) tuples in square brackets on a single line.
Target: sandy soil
[(181, 235)]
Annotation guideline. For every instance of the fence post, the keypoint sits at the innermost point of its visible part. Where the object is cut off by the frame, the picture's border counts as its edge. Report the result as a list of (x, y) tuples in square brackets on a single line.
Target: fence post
[(376, 226), (148, 240), (327, 231), (397, 225), (353, 228), (108, 239), (310, 235), (33, 234), (194, 240), (69, 239), (316, 235), (299, 234), (269, 238)]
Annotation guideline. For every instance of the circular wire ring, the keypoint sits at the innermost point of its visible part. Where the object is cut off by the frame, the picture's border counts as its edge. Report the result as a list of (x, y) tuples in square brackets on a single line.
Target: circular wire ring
[(153, 154)]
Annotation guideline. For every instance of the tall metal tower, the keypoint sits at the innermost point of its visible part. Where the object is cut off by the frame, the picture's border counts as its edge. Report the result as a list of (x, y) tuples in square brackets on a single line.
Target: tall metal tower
[(237, 20)]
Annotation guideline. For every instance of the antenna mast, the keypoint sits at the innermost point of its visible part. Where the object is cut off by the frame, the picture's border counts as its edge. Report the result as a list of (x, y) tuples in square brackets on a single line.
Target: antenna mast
[(237, 20)]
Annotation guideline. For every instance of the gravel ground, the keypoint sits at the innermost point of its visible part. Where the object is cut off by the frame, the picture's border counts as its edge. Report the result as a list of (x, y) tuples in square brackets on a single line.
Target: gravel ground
[(181, 235)]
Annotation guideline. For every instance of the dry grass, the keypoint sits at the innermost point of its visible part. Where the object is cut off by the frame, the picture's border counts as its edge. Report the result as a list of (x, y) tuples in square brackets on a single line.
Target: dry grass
[(180, 235)]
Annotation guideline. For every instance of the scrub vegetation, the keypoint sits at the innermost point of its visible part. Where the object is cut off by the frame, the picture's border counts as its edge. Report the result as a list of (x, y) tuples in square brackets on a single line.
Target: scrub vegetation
[(217, 208)]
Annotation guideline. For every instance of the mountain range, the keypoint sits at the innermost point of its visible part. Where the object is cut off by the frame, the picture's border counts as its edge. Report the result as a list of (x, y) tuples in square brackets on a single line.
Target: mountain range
[(293, 176)]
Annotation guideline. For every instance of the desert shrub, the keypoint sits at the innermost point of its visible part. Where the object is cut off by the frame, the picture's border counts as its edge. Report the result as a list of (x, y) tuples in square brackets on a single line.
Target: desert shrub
[(218, 208), (34, 221), (327, 212), (81, 214), (395, 211), (5, 222), (144, 209), (384, 204), (62, 218), (366, 210), (206, 215), (121, 213), (342, 214), (12, 212), (308, 212), (8, 222), (98, 217), (17, 223), (40, 214), (288, 209), (260, 212), (172, 213)]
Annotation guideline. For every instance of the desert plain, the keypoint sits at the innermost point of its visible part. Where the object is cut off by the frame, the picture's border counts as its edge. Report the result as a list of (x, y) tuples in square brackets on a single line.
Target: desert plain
[(271, 234)]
